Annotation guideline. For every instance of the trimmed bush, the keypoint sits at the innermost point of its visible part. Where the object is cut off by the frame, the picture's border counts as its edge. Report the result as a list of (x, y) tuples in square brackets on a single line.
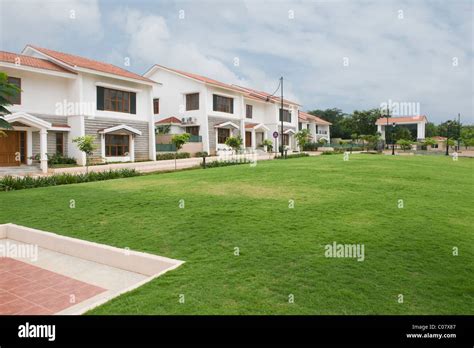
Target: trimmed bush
[(216, 164), (9, 183), (201, 154), (170, 156), (60, 159), (293, 155)]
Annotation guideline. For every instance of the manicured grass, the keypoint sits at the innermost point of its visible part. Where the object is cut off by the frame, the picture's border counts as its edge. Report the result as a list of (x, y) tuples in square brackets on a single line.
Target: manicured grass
[(407, 251)]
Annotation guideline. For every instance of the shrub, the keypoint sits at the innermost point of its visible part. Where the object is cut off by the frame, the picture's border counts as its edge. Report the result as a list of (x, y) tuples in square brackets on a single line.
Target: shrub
[(215, 164), (234, 142), (201, 154), (170, 156), (293, 155), (9, 183), (60, 159), (405, 144), (311, 146)]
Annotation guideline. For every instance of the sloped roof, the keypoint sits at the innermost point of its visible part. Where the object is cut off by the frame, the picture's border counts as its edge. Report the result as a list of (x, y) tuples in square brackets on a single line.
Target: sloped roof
[(304, 116), (33, 62), (403, 119), (169, 120), (77, 61)]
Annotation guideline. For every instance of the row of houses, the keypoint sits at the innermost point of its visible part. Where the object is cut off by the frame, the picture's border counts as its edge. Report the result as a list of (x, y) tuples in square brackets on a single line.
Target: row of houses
[(65, 96)]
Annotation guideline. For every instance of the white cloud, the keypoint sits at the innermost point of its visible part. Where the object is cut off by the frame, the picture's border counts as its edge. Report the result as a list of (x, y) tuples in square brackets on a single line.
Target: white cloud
[(48, 23)]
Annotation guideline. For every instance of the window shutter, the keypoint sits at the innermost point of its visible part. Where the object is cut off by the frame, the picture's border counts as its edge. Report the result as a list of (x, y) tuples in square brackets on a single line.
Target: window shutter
[(133, 103), (100, 98)]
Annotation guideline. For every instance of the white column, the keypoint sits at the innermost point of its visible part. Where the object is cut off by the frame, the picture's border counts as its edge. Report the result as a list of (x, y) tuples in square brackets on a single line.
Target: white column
[(29, 147), (102, 146), (131, 148), (254, 140), (381, 131), (420, 130), (43, 150)]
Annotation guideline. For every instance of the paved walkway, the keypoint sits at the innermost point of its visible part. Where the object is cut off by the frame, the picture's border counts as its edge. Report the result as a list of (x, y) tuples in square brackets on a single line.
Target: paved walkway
[(142, 167)]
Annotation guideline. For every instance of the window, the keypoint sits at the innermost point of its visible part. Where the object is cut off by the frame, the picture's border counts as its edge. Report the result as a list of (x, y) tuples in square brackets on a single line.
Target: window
[(286, 115), (222, 135), (223, 104), (115, 100), (156, 106), (59, 143), (116, 145), (17, 98), (307, 126), (192, 101), (23, 147), (194, 130), (286, 139), (300, 126), (248, 111)]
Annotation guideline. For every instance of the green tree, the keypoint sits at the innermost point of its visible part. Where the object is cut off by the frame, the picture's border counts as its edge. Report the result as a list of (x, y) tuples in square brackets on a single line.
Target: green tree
[(234, 142), (336, 117), (431, 130), (7, 91), (163, 129), (363, 122), (429, 142), (302, 138), (405, 144), (402, 133), (87, 145), (449, 129), (178, 141), (269, 144), (467, 136)]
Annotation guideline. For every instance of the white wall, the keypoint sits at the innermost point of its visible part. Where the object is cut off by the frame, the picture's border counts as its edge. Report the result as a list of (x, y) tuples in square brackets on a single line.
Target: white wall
[(40, 92)]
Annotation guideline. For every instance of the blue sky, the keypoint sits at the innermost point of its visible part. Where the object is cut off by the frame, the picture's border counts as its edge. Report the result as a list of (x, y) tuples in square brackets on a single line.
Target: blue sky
[(348, 54)]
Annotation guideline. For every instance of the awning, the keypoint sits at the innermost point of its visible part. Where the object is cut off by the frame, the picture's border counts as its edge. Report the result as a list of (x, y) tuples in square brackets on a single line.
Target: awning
[(119, 128)]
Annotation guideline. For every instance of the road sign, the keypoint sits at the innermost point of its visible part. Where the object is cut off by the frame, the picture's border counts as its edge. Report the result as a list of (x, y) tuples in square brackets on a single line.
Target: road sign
[(275, 135)]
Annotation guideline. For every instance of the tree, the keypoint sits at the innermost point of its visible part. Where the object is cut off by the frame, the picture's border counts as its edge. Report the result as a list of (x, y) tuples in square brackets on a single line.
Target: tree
[(370, 140), (87, 145), (429, 142), (449, 129), (7, 91), (234, 142), (402, 133), (363, 122), (467, 136), (431, 130), (336, 117), (405, 144), (269, 144), (178, 141), (163, 129), (302, 137)]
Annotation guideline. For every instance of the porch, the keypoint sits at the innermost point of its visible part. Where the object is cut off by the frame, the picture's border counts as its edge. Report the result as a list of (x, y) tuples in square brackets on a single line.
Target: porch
[(27, 139)]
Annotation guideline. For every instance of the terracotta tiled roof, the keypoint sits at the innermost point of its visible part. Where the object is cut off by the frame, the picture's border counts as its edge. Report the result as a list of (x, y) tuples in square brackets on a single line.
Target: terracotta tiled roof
[(248, 92), (33, 62), (169, 120), (250, 125), (263, 95), (201, 78), (404, 119), (304, 116), (76, 61)]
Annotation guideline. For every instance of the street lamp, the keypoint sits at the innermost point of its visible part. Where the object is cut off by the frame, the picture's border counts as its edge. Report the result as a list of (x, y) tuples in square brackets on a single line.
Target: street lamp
[(386, 130), (448, 124), (393, 142)]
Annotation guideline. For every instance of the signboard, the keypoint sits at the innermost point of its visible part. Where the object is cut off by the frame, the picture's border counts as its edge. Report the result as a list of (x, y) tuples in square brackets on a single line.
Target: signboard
[(275, 135)]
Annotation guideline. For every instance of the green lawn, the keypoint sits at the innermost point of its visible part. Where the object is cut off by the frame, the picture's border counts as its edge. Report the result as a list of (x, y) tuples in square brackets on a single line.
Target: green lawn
[(407, 251)]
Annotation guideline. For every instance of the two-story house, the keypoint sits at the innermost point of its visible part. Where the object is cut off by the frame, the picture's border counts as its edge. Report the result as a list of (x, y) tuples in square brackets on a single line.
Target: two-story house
[(64, 96), (214, 110), (317, 127)]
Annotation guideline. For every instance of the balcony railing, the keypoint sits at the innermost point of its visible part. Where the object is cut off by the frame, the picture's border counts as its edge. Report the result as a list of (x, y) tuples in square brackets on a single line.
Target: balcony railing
[(195, 139)]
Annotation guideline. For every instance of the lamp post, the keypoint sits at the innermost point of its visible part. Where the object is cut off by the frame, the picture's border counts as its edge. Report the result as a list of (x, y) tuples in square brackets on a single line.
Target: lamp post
[(393, 142), (281, 113), (386, 130), (448, 124)]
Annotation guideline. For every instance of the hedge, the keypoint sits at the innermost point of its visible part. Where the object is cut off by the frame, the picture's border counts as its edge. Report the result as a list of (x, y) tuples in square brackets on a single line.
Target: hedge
[(9, 183), (170, 156)]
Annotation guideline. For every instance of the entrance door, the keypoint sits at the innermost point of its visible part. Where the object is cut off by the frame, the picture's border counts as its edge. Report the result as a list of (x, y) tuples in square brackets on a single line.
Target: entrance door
[(248, 139), (9, 148)]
